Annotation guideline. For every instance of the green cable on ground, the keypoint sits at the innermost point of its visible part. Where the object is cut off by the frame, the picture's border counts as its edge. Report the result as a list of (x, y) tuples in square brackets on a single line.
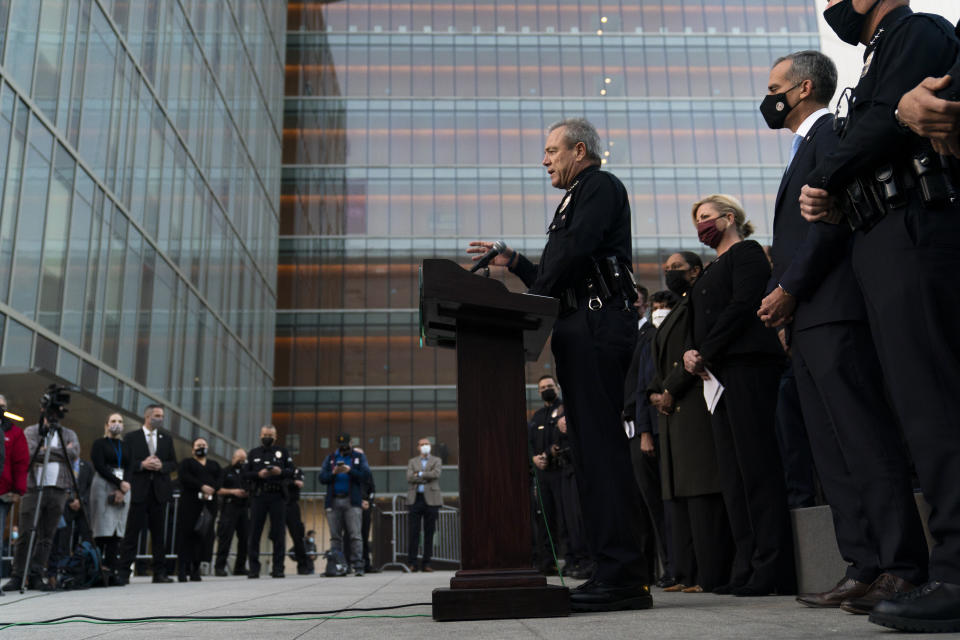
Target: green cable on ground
[(278, 618)]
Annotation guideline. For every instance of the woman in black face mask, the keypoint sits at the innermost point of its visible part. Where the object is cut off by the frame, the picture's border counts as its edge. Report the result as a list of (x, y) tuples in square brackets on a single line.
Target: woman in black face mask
[(199, 481), (731, 343), (702, 547)]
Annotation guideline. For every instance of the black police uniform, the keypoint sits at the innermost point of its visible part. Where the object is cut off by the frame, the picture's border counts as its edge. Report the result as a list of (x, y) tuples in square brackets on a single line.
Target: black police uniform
[(542, 434), (593, 348), (234, 518), (268, 498), (906, 262), (295, 524), (368, 490)]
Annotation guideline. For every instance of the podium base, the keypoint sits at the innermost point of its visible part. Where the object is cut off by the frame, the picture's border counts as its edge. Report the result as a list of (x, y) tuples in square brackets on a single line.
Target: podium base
[(547, 601)]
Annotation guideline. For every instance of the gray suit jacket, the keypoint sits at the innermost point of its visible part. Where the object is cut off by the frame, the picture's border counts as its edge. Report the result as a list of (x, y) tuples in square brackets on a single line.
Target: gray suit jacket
[(430, 478)]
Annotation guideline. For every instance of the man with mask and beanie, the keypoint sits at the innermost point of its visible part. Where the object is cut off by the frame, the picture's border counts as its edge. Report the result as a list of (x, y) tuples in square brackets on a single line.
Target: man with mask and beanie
[(587, 264), (343, 472), (640, 424), (268, 467), (546, 490), (899, 196), (689, 473), (149, 459), (813, 294), (234, 516), (424, 500)]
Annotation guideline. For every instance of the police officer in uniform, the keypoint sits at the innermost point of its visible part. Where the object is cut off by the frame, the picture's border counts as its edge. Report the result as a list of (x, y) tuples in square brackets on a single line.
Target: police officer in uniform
[(900, 197), (543, 438), (295, 523), (234, 516), (587, 264), (268, 466)]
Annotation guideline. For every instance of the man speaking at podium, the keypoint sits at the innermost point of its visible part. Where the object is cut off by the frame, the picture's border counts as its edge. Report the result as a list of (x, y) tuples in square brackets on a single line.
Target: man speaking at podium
[(587, 265)]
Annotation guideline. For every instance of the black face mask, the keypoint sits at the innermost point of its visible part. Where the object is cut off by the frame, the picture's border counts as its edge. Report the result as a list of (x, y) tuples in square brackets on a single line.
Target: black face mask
[(267, 442), (200, 452), (677, 281), (846, 22), (345, 448), (548, 395), (775, 108)]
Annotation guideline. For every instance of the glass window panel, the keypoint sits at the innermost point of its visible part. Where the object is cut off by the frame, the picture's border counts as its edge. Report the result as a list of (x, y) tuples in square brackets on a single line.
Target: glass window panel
[(54, 264), (17, 345), (76, 272), (21, 41)]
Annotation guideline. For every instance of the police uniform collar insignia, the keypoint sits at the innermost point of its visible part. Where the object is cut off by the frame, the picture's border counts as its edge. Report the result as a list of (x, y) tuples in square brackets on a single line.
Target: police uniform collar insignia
[(554, 414), (876, 37), (278, 454)]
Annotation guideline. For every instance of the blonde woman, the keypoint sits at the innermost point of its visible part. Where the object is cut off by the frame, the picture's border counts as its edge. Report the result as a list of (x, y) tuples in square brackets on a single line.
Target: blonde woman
[(109, 491), (731, 342)]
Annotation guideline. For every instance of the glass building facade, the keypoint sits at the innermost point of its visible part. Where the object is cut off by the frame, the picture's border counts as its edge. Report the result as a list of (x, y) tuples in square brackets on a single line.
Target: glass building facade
[(140, 154), (412, 128)]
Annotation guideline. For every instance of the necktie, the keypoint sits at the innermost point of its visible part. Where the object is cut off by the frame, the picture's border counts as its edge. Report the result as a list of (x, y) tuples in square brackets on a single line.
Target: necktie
[(797, 139), (151, 443)]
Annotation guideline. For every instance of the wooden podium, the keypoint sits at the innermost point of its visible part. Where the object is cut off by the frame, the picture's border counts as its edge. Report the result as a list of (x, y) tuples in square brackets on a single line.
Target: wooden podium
[(494, 332)]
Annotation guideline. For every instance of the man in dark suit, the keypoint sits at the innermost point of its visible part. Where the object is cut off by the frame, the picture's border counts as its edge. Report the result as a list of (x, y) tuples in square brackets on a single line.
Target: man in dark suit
[(639, 420), (149, 457), (813, 294)]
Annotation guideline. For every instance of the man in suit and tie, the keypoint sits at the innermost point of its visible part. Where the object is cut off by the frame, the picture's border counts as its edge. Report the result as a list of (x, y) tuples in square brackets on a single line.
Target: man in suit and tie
[(814, 296), (148, 460), (424, 500)]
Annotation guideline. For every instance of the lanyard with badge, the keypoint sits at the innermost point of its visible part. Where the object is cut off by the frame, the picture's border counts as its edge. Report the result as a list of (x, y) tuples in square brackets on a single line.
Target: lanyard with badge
[(118, 472)]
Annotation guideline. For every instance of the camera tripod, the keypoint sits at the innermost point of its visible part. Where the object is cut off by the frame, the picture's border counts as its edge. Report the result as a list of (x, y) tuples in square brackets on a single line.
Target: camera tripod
[(47, 433)]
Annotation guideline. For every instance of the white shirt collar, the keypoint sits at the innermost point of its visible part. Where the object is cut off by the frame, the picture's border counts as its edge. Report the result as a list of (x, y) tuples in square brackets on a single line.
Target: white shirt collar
[(643, 321), (809, 121), (147, 432)]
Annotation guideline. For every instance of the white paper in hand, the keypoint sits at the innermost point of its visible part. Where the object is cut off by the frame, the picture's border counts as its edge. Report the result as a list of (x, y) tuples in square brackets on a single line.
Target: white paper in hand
[(712, 390)]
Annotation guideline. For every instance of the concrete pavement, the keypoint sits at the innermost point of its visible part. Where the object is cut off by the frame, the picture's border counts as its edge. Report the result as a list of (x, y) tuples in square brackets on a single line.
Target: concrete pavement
[(675, 615)]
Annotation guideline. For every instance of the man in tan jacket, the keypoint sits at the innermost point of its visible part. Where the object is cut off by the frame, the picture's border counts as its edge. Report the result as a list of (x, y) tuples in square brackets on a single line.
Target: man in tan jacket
[(423, 502)]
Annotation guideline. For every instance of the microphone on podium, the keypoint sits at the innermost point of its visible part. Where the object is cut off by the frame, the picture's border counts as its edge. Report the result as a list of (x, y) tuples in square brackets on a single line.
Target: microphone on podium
[(497, 248)]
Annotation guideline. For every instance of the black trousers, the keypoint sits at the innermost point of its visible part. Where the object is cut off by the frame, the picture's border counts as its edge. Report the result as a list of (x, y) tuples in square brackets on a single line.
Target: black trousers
[(593, 350), (295, 526), (859, 452), (656, 537), (148, 513), (794, 443), (751, 476), (703, 548), (51, 509), (417, 511), (549, 505), (273, 505), (907, 268), (234, 519), (573, 518), (365, 520)]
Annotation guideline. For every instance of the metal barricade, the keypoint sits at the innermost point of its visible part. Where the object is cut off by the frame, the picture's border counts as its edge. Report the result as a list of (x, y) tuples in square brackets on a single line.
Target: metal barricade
[(446, 537)]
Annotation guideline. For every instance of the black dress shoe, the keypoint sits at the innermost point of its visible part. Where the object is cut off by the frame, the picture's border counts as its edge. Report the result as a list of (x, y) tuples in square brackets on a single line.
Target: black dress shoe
[(753, 591), (885, 587), (605, 597), (180, 579), (220, 573), (195, 577), (726, 589), (666, 581), (934, 607), (13, 584), (277, 574), (162, 578), (253, 576), (847, 588)]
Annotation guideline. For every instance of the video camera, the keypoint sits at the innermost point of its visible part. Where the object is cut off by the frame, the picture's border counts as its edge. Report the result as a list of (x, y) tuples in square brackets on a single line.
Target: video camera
[(53, 403)]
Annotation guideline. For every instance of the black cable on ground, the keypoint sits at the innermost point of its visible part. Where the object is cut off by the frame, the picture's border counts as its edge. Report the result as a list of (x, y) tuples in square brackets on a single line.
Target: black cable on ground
[(332, 614)]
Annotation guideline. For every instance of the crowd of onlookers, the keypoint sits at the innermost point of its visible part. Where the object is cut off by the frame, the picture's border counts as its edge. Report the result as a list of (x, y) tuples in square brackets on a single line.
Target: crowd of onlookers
[(83, 523)]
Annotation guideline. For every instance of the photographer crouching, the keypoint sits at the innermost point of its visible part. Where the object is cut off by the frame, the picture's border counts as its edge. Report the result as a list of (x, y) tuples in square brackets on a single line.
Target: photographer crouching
[(45, 446)]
